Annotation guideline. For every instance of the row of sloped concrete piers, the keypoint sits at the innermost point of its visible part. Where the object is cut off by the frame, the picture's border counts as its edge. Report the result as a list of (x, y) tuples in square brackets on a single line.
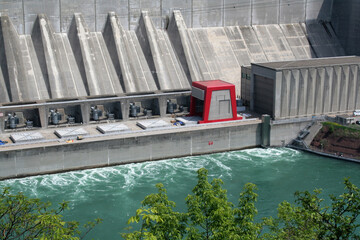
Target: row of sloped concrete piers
[(51, 65)]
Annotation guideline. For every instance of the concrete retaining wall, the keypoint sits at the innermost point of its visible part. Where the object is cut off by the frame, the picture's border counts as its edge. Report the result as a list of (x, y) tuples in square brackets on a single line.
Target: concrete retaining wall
[(79, 155), (282, 133), (197, 13)]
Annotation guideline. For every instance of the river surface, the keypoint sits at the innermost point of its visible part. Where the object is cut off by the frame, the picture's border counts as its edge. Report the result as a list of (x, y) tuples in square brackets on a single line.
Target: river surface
[(114, 193)]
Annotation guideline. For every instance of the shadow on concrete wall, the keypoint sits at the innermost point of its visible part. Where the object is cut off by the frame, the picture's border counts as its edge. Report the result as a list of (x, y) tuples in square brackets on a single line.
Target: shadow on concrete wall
[(345, 20)]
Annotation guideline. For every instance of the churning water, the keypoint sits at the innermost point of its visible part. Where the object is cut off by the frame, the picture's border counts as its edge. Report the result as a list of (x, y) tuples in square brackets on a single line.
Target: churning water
[(114, 193)]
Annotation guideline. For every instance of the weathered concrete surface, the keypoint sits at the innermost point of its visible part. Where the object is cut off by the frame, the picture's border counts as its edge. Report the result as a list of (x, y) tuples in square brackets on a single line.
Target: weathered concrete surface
[(313, 131), (345, 19), (22, 78), (86, 62), (167, 71), (219, 53), (309, 87), (297, 41), (273, 42), (281, 134), (128, 148), (93, 59), (323, 39), (197, 13), (128, 59), (31, 9), (137, 147), (4, 96), (57, 61), (104, 7)]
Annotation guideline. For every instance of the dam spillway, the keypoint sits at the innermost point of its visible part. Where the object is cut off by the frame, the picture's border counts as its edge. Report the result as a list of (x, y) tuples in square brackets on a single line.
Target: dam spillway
[(75, 56)]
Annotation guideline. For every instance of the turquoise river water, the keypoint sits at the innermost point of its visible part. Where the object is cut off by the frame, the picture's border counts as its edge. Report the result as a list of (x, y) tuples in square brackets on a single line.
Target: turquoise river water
[(114, 193)]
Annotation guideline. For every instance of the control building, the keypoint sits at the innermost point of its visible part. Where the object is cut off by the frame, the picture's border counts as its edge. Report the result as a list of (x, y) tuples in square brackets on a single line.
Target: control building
[(304, 88)]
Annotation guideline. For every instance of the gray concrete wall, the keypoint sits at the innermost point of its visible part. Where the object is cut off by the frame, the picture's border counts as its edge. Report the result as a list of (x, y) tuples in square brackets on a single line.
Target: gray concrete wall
[(127, 149), (197, 13), (219, 53), (81, 60), (346, 21), (79, 155), (282, 133), (314, 91)]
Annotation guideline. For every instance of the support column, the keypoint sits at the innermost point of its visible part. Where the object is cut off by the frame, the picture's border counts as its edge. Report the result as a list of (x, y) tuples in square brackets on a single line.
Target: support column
[(43, 115), (125, 109), (162, 105), (2, 122), (85, 112), (265, 130)]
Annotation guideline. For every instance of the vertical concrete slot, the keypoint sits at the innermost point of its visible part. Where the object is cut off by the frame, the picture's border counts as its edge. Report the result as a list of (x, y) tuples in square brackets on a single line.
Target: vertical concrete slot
[(265, 130)]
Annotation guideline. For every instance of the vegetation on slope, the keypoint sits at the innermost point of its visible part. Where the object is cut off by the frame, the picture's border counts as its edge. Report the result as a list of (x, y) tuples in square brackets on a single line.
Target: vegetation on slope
[(336, 139)]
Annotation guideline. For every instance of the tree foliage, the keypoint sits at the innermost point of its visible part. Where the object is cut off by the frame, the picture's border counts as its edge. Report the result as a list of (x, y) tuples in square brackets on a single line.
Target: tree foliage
[(158, 219), (311, 219), (211, 216), (27, 218), (209, 211)]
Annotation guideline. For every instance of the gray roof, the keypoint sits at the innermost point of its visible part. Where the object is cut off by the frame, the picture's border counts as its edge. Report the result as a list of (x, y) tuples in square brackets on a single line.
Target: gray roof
[(316, 62)]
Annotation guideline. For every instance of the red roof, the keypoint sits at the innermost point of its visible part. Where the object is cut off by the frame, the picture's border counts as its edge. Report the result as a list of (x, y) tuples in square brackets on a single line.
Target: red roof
[(212, 84)]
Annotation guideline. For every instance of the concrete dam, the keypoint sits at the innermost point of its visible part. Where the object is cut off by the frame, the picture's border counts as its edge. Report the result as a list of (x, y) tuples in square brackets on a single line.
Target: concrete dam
[(78, 78), (115, 47)]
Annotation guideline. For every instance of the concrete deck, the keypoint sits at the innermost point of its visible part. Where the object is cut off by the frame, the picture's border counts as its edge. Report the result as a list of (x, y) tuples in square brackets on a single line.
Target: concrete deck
[(90, 132)]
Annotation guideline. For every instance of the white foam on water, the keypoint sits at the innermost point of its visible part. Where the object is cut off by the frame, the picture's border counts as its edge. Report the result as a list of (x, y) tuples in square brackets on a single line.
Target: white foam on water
[(272, 154), (126, 177)]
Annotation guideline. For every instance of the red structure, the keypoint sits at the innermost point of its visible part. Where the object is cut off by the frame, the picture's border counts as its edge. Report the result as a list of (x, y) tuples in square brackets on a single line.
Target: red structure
[(214, 100)]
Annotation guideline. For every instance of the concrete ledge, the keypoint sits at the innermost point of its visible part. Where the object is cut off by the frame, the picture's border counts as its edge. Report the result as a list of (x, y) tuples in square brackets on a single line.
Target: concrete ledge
[(115, 150)]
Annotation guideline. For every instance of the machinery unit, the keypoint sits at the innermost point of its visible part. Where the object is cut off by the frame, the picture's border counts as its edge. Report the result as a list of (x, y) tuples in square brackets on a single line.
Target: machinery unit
[(29, 124), (214, 100), (147, 112), (71, 120), (134, 110), (110, 116), (55, 117), (12, 121), (96, 113), (170, 107)]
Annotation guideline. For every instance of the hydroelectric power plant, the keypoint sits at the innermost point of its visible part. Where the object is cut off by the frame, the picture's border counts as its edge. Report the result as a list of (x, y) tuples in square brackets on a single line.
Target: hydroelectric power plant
[(86, 84)]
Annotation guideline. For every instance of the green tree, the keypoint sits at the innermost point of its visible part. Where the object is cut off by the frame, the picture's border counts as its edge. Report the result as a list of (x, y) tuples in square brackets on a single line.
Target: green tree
[(26, 218), (211, 216), (311, 219), (210, 213), (246, 212), (158, 219)]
